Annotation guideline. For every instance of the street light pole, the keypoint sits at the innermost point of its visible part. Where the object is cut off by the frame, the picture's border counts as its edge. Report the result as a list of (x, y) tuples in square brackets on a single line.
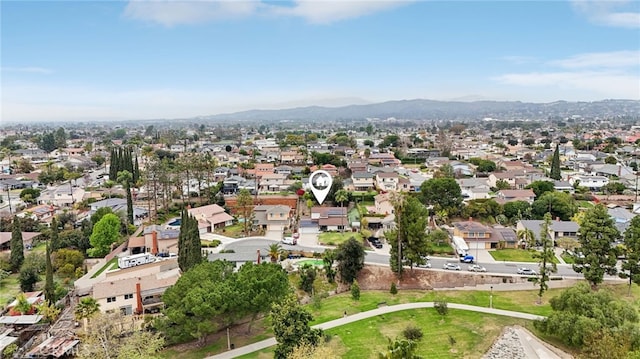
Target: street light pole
[(491, 298)]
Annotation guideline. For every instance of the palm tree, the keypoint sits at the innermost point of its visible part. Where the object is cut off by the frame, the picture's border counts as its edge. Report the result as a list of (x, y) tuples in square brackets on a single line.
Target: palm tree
[(86, 308), (341, 196), (527, 236), (274, 252)]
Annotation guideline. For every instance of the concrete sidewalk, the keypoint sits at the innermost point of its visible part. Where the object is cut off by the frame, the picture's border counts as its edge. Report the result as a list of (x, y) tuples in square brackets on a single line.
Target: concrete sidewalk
[(373, 313)]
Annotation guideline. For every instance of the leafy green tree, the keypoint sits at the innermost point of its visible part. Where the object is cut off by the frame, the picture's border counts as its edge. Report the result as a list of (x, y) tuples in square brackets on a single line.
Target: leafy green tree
[(17, 245), (611, 160), (105, 233), (541, 187), (307, 277), (244, 204), (290, 322), (545, 258), (355, 290), (442, 193), (409, 235), (28, 278), (555, 172), (30, 195), (67, 261), (258, 287), (483, 209), (502, 184), (199, 304), (47, 142), (614, 187), (99, 213), (517, 210), (350, 258), (189, 244), (631, 262), (527, 236), (23, 306), (579, 313), (559, 204), (328, 257), (597, 232), (445, 171)]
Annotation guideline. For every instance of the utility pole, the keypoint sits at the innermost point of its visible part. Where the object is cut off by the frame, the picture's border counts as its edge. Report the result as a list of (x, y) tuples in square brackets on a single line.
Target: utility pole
[(9, 198)]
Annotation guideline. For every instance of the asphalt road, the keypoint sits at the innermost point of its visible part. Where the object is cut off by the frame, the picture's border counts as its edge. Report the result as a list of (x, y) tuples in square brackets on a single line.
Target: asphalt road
[(250, 245)]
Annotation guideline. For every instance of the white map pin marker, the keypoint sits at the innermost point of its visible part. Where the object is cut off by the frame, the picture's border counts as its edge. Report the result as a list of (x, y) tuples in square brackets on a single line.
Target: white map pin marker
[(320, 182)]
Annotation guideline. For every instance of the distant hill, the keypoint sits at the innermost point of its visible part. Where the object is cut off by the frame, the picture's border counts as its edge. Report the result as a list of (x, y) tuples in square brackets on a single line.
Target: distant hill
[(446, 110)]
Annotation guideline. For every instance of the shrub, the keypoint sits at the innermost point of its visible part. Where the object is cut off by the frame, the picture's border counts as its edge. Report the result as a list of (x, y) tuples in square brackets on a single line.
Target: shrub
[(412, 333), (355, 290), (10, 350), (394, 289), (441, 307)]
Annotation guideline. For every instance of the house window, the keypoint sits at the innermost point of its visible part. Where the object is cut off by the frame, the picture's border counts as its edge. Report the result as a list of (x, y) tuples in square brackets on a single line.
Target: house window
[(128, 296), (111, 299)]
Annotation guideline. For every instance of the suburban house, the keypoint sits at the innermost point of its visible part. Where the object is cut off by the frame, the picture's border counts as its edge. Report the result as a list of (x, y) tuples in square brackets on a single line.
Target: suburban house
[(362, 181), (210, 217), (61, 196), (330, 218), (119, 205), (273, 182), (155, 239), (383, 204), (239, 259), (474, 188), (477, 235), (137, 289), (591, 182), (621, 216), (557, 229), (291, 157), (27, 239), (510, 195), (387, 181), (272, 217)]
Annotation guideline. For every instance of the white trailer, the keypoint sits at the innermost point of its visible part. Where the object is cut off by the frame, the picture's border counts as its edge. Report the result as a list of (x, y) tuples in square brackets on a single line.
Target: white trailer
[(136, 260)]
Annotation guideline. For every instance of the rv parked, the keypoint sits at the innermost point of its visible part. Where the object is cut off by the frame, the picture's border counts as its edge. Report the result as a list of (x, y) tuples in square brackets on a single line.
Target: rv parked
[(136, 260)]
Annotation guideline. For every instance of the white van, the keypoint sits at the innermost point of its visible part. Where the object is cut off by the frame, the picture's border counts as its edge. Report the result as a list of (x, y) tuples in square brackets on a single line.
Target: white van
[(289, 240)]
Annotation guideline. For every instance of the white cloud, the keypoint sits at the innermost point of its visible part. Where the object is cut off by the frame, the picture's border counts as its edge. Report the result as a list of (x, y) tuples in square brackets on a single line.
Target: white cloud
[(605, 84), (328, 11), (605, 74), (175, 12), (615, 59), (609, 13), (28, 69), (171, 13)]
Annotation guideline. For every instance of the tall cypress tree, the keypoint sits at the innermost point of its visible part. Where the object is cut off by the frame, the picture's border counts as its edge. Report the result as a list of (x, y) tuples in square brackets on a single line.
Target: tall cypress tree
[(17, 245), (189, 246), (129, 203), (136, 171), (49, 285), (555, 165), (54, 235)]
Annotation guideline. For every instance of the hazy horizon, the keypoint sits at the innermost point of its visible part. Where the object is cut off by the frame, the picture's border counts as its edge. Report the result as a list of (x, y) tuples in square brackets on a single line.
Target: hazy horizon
[(106, 60)]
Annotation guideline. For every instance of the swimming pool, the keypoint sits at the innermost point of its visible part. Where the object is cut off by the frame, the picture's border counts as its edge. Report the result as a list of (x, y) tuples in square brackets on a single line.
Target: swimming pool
[(175, 222), (313, 262)]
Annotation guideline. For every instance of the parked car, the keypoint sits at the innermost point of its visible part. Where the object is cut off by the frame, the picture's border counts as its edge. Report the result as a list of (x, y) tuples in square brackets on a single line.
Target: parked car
[(526, 271), (289, 240), (477, 268), (451, 266), (467, 258), (426, 264), (375, 242)]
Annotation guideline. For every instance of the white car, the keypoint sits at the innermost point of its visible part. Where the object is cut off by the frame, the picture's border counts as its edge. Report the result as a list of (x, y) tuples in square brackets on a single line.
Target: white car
[(451, 266), (426, 264), (477, 268), (526, 271), (290, 240)]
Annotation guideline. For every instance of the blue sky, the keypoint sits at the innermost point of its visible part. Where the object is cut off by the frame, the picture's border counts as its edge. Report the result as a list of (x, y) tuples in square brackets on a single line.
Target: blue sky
[(93, 60)]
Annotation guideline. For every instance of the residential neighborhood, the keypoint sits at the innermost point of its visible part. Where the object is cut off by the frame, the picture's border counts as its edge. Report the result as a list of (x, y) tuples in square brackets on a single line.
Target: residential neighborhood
[(492, 189)]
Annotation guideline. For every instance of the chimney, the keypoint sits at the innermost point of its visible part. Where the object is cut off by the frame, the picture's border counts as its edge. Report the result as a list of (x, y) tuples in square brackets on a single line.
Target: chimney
[(154, 243), (138, 299), (258, 256)]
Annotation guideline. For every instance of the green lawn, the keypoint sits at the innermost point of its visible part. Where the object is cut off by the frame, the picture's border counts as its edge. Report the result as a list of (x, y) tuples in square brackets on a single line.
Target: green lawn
[(335, 238), (9, 289), (568, 258), (112, 264), (442, 248), (515, 255), (473, 332), (234, 231)]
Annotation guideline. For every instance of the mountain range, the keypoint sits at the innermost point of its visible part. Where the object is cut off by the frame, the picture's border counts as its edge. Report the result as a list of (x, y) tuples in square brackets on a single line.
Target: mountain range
[(420, 109)]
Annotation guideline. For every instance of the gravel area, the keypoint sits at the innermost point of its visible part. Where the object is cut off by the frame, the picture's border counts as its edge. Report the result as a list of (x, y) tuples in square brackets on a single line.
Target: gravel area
[(508, 346)]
